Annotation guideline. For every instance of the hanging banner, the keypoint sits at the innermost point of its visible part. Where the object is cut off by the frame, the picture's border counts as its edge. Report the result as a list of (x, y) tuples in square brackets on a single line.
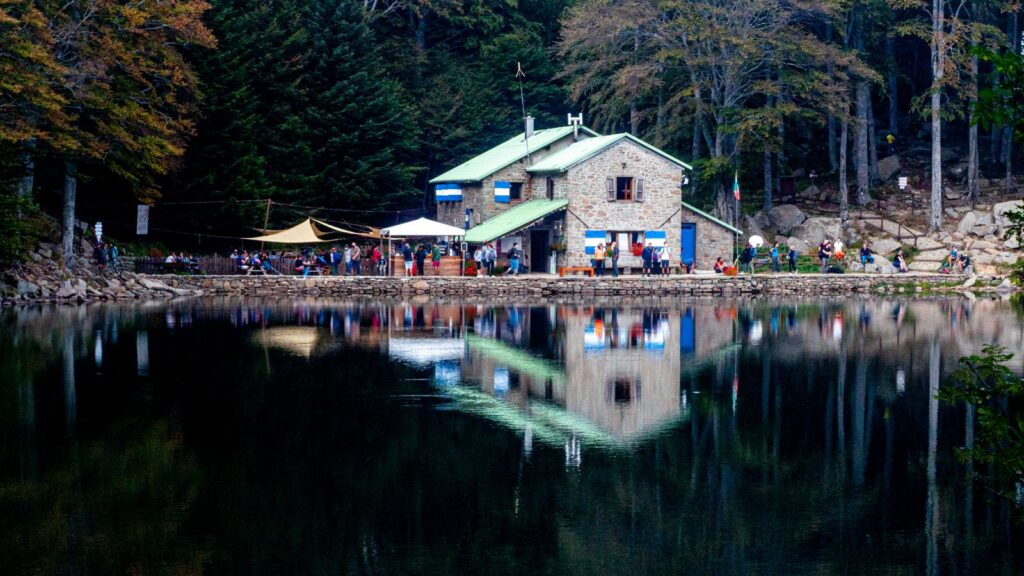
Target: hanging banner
[(502, 192), (99, 231), (142, 220), (591, 239), (655, 238)]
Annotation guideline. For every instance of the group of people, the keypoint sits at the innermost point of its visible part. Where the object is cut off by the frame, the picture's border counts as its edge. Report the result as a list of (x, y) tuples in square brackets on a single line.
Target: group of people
[(107, 254), (749, 255), (415, 260), (486, 256), (182, 262), (347, 261)]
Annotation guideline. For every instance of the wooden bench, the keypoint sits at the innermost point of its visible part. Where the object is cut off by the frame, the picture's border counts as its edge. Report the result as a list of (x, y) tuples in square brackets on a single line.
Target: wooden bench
[(588, 270), (255, 270)]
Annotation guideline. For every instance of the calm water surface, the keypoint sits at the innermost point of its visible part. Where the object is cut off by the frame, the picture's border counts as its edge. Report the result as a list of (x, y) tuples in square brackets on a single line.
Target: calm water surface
[(328, 437)]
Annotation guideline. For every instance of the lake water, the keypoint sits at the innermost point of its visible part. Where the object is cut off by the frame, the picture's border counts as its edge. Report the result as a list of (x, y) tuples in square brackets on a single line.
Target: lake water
[(314, 436)]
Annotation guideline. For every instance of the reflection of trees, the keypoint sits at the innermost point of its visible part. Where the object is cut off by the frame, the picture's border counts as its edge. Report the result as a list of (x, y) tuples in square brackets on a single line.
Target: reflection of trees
[(118, 506)]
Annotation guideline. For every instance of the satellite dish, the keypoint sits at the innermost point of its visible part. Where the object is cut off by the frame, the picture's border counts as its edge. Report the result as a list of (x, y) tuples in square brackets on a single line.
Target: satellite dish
[(756, 241)]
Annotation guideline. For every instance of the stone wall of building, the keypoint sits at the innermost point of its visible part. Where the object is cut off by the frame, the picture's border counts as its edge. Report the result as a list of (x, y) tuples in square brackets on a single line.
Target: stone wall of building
[(713, 240), (588, 201)]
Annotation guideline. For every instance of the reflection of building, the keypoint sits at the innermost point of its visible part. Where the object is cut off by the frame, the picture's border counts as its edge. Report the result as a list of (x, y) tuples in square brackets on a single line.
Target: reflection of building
[(618, 380)]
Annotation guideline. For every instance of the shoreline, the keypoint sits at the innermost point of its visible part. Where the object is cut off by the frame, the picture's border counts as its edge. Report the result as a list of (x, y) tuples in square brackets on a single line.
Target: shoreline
[(143, 287)]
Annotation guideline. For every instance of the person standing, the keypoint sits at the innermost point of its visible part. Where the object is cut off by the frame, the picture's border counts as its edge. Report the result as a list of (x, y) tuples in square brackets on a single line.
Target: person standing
[(357, 260), (435, 259), (490, 257), (348, 260), (747, 258), (647, 256), (335, 260), (421, 258), (407, 257), (890, 140), (666, 259), (615, 259), (513, 259), (774, 254), (478, 257), (599, 254), (793, 254), (824, 254)]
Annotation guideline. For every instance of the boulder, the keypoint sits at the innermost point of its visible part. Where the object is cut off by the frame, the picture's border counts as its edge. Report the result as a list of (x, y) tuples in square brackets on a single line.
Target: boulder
[(785, 217), (884, 245), (817, 228), (933, 255), (66, 291), (1005, 286), (969, 282), (1011, 244), (810, 192), (966, 223), (923, 266), (926, 243), (888, 167), (26, 288), (801, 246), (751, 227), (999, 211), (881, 266)]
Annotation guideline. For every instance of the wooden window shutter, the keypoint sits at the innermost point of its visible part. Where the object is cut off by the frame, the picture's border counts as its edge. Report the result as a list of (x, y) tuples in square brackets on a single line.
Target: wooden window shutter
[(639, 195), (611, 189)]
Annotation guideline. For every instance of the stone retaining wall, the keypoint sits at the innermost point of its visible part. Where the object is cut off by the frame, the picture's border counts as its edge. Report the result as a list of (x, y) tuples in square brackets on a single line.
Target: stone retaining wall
[(782, 284)]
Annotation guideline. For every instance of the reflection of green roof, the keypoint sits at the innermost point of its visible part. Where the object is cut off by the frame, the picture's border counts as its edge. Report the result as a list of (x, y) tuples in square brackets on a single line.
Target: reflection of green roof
[(522, 362), (700, 212), (513, 219), (578, 152), (509, 151)]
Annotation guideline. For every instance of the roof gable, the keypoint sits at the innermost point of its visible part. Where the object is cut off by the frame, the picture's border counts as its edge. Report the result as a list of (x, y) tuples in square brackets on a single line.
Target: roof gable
[(512, 150), (700, 212), (586, 149)]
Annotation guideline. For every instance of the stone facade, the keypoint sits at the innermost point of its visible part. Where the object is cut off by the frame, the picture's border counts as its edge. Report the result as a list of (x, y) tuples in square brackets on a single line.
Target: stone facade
[(590, 209), (713, 239)]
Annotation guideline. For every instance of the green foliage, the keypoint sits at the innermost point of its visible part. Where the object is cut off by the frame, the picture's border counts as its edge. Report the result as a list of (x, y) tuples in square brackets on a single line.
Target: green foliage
[(987, 384), (1002, 103)]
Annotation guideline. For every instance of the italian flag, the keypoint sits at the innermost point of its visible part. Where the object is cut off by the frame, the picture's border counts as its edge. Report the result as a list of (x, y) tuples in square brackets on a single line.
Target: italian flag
[(736, 185)]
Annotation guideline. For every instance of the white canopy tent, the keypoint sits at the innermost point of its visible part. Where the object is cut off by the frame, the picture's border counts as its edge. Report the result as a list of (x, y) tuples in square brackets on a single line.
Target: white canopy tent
[(419, 228)]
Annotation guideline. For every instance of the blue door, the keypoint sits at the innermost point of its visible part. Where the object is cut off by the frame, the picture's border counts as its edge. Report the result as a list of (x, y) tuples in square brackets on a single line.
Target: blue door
[(688, 249)]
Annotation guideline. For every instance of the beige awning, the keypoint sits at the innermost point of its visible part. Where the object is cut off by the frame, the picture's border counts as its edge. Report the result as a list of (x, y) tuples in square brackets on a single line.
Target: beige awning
[(370, 231), (304, 233)]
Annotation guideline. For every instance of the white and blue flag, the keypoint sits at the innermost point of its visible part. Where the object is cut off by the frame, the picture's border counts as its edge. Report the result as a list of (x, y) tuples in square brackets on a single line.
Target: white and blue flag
[(591, 239), (655, 238), (448, 193), (502, 192)]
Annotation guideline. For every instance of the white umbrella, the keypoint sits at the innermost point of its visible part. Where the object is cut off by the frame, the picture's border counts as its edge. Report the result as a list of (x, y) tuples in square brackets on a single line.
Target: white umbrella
[(756, 241)]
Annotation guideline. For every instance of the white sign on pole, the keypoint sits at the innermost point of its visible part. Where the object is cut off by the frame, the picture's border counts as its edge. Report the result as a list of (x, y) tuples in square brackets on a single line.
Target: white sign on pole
[(142, 220), (99, 231), (903, 182)]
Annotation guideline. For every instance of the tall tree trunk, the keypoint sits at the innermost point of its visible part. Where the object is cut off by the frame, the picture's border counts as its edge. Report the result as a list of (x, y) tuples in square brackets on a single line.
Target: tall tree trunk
[(68, 221), (28, 163), (767, 177), (833, 158), (938, 57), (861, 134), (863, 96), (1014, 34), (893, 81), (844, 190), (972, 132), (660, 120), (695, 144), (873, 174), (780, 156), (634, 112)]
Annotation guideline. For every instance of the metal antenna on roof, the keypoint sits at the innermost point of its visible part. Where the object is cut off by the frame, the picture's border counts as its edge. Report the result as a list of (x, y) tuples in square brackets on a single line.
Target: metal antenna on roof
[(527, 120)]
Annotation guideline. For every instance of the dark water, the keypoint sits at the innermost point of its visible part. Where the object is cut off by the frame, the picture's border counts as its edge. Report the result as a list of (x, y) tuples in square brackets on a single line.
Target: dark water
[(329, 437)]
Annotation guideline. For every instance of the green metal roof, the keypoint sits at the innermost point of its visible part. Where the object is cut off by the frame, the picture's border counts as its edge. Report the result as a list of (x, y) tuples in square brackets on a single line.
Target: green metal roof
[(513, 219), (584, 149), (700, 212), (508, 152)]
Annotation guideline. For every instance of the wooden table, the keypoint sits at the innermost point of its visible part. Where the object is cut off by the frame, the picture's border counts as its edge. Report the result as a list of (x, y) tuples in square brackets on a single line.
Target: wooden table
[(588, 270)]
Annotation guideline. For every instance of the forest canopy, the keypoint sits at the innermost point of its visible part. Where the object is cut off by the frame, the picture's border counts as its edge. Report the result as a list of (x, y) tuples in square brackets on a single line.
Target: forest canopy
[(347, 108)]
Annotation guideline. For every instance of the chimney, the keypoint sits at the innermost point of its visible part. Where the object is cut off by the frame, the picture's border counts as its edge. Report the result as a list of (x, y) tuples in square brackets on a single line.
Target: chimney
[(529, 125), (575, 122)]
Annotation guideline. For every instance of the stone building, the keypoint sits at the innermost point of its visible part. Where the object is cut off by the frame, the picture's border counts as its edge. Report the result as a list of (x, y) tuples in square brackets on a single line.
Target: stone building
[(574, 191)]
